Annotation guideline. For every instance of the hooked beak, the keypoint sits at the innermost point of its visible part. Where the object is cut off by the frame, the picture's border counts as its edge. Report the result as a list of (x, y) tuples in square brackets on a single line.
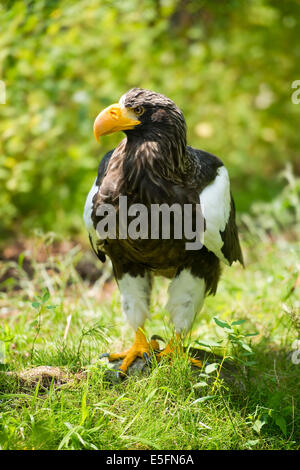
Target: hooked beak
[(113, 119)]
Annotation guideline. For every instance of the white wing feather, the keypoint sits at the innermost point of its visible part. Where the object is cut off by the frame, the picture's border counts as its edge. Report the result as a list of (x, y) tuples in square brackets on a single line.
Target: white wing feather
[(87, 214), (215, 202)]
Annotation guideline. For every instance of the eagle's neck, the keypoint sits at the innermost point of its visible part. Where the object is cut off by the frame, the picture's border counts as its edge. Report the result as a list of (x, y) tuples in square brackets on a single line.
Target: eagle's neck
[(161, 155)]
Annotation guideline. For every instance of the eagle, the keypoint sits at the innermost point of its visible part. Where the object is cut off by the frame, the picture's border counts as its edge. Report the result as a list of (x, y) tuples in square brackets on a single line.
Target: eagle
[(154, 166)]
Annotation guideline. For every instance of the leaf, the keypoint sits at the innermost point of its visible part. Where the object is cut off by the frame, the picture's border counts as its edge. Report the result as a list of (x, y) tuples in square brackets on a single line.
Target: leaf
[(200, 384), (280, 421), (249, 363), (252, 443), (46, 296), (84, 409), (245, 346), (203, 399), (211, 367), (223, 324), (238, 322), (36, 305), (209, 344), (258, 424)]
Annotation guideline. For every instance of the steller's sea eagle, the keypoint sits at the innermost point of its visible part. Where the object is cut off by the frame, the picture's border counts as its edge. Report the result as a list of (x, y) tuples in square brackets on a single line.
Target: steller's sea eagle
[(153, 165)]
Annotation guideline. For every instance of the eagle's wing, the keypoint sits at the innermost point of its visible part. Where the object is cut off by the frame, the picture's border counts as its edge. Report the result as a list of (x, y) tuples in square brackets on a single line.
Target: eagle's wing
[(221, 234), (88, 208)]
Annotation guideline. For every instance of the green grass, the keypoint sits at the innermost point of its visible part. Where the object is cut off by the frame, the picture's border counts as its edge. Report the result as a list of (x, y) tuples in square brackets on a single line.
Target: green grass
[(260, 410)]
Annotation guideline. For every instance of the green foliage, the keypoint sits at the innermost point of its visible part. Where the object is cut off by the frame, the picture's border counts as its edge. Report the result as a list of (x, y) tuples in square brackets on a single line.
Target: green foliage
[(282, 214), (228, 65)]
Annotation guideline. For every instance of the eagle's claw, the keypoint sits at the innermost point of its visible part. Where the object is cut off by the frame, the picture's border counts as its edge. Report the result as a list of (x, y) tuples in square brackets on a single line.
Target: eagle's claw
[(120, 374), (147, 359), (140, 348)]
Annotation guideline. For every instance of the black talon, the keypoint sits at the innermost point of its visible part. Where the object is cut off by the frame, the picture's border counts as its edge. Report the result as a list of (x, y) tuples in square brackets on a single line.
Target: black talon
[(145, 356), (147, 360), (104, 355), (120, 374)]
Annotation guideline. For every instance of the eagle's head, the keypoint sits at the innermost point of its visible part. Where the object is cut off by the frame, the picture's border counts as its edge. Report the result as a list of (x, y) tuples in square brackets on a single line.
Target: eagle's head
[(142, 114)]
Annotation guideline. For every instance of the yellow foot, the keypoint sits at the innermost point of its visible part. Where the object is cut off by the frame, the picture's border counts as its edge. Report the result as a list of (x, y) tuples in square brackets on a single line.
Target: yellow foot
[(173, 348), (140, 348)]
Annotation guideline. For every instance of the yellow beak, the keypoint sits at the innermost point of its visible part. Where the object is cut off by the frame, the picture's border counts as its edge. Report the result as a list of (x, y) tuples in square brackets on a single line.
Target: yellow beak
[(113, 119)]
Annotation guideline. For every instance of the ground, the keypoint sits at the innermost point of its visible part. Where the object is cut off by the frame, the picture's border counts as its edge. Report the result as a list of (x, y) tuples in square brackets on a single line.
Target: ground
[(171, 407)]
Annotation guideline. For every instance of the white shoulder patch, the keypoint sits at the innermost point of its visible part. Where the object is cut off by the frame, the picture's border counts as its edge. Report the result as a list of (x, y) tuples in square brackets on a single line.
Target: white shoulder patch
[(88, 207), (215, 204), (87, 213)]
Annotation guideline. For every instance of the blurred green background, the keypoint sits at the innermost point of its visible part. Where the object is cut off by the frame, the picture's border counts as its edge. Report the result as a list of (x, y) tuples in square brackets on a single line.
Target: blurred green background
[(229, 66)]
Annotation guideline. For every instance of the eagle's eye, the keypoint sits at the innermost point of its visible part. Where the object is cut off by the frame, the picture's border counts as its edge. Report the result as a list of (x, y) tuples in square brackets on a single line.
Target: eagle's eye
[(139, 110)]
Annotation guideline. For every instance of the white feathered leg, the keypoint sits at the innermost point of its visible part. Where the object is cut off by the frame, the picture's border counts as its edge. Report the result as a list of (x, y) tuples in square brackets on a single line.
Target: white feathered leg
[(186, 297), (135, 297)]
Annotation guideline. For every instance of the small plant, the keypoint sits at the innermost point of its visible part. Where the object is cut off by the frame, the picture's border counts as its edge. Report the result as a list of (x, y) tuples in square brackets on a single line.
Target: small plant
[(235, 342), (40, 305), (264, 415), (241, 351)]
